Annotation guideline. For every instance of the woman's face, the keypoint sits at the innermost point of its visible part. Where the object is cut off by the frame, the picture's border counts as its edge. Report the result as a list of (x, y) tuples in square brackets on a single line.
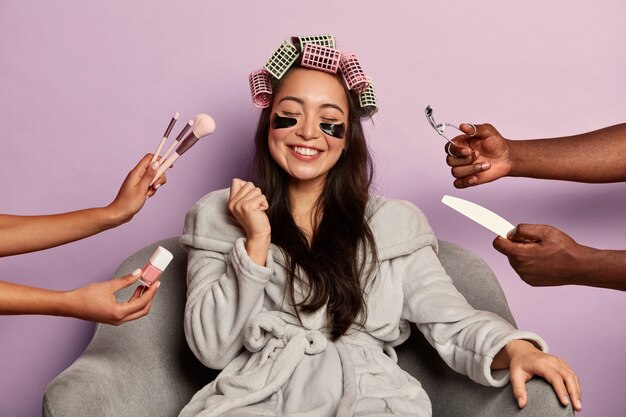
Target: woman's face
[(306, 137)]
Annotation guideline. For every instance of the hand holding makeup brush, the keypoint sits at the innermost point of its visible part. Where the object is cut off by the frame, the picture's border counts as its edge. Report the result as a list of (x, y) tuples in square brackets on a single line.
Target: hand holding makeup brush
[(135, 189), (203, 125)]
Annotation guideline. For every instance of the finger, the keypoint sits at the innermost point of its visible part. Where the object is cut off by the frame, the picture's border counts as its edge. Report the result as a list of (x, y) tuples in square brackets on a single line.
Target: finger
[(137, 304), (141, 313), (148, 176), (257, 202), (469, 129), (481, 131), (456, 148), (243, 192), (532, 232), (235, 186), (457, 160), (555, 379), (466, 182), (469, 170), (572, 385), (518, 383), (509, 248), (125, 281), (137, 293)]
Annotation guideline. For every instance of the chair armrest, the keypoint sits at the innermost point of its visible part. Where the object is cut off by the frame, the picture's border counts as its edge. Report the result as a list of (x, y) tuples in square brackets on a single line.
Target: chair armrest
[(141, 368)]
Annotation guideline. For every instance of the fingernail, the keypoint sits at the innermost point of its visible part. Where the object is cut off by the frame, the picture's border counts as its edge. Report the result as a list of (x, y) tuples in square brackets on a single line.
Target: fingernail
[(156, 186), (155, 165), (466, 152), (471, 181), (158, 284), (484, 166), (520, 402), (565, 400), (511, 234), (136, 272)]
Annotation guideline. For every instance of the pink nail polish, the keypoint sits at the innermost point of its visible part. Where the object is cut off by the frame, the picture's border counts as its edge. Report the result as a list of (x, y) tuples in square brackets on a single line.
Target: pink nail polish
[(157, 263)]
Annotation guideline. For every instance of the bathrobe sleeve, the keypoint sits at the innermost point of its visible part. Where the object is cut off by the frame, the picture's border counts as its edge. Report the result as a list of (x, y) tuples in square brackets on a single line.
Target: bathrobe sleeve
[(467, 339), (224, 286)]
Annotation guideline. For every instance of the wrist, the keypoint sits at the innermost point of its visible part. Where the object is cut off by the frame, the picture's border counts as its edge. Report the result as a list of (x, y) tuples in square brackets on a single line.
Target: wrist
[(257, 247), (113, 216), (515, 156)]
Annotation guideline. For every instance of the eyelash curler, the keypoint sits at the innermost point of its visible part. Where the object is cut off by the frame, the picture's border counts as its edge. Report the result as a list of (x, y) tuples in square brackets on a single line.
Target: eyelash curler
[(441, 127)]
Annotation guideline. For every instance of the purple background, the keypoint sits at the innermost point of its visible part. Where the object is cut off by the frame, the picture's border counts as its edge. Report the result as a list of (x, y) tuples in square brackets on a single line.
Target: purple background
[(87, 88)]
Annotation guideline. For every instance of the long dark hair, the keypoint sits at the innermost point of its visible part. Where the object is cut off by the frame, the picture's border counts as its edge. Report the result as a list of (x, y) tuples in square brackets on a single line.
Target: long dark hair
[(341, 259)]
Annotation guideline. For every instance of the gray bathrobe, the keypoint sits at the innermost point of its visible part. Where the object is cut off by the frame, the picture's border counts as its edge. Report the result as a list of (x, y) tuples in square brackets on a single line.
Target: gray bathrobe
[(239, 319)]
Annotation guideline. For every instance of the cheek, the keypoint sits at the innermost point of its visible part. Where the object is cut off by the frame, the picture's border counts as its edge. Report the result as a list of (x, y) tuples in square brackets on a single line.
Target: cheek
[(275, 139)]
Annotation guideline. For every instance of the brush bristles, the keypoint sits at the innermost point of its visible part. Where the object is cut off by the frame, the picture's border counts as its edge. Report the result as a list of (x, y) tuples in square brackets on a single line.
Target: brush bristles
[(203, 125)]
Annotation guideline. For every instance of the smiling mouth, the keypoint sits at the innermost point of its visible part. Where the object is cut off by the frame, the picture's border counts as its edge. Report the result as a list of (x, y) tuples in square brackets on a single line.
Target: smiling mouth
[(305, 151)]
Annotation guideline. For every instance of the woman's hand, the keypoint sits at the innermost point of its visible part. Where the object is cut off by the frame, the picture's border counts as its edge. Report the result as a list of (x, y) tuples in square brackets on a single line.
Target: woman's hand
[(481, 156), (543, 256), (135, 190), (525, 361), (248, 204), (96, 302)]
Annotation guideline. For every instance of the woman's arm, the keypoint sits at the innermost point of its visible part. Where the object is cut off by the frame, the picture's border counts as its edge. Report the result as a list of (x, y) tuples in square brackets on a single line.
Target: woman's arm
[(225, 282), (94, 302), (474, 342), (594, 157), (21, 234)]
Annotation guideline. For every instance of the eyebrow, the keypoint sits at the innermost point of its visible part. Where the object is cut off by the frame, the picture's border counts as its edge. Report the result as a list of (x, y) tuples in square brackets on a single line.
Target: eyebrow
[(301, 102)]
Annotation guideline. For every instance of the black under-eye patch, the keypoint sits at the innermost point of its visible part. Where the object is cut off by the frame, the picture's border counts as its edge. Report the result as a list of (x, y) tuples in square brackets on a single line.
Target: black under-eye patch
[(280, 122), (335, 130)]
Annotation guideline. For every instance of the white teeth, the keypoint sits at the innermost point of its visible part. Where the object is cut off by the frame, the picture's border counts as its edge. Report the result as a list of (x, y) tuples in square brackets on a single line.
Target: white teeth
[(306, 151)]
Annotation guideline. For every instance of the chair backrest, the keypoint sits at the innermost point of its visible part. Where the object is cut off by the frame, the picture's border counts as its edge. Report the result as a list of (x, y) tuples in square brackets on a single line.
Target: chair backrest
[(133, 349)]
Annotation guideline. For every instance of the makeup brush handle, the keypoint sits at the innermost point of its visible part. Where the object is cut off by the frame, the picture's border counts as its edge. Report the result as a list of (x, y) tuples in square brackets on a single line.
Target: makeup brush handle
[(159, 149), (169, 150), (165, 166)]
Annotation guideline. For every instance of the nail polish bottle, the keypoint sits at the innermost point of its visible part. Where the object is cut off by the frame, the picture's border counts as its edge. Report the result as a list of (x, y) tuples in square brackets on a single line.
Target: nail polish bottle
[(157, 263)]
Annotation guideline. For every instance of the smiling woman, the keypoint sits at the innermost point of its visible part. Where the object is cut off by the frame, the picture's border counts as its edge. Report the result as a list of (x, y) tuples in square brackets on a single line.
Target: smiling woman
[(302, 298)]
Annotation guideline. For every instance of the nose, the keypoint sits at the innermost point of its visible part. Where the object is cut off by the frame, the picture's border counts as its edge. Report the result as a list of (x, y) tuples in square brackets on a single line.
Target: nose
[(309, 129)]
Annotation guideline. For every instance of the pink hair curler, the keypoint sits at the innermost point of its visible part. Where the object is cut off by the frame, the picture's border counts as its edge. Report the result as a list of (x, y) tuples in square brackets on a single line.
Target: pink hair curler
[(261, 88), (320, 58), (323, 40), (282, 59), (353, 72), (367, 98)]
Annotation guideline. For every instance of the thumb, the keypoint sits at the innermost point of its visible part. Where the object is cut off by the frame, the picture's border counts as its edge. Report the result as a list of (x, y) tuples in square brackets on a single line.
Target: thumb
[(468, 128), (235, 186), (148, 176), (529, 232), (126, 281), (518, 383)]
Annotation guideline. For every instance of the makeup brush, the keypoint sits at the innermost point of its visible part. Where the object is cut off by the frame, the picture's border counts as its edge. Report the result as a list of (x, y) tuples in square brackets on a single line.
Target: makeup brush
[(165, 136), (203, 125), (177, 140)]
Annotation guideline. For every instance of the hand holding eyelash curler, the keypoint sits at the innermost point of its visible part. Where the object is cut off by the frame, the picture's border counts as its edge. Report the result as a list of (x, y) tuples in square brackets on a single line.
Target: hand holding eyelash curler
[(441, 127), (203, 125)]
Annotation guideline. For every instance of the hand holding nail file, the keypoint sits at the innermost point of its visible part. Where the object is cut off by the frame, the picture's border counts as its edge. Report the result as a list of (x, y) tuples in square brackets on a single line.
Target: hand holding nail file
[(203, 125), (480, 215)]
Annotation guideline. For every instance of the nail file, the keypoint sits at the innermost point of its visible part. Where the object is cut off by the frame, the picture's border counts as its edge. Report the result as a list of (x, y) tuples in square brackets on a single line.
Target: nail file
[(479, 214)]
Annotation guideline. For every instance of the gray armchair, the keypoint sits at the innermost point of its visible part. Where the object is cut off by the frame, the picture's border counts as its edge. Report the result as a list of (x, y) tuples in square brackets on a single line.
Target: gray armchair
[(144, 367)]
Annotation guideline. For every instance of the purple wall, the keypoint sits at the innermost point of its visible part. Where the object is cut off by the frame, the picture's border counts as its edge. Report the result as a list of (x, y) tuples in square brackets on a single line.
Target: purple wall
[(87, 88)]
